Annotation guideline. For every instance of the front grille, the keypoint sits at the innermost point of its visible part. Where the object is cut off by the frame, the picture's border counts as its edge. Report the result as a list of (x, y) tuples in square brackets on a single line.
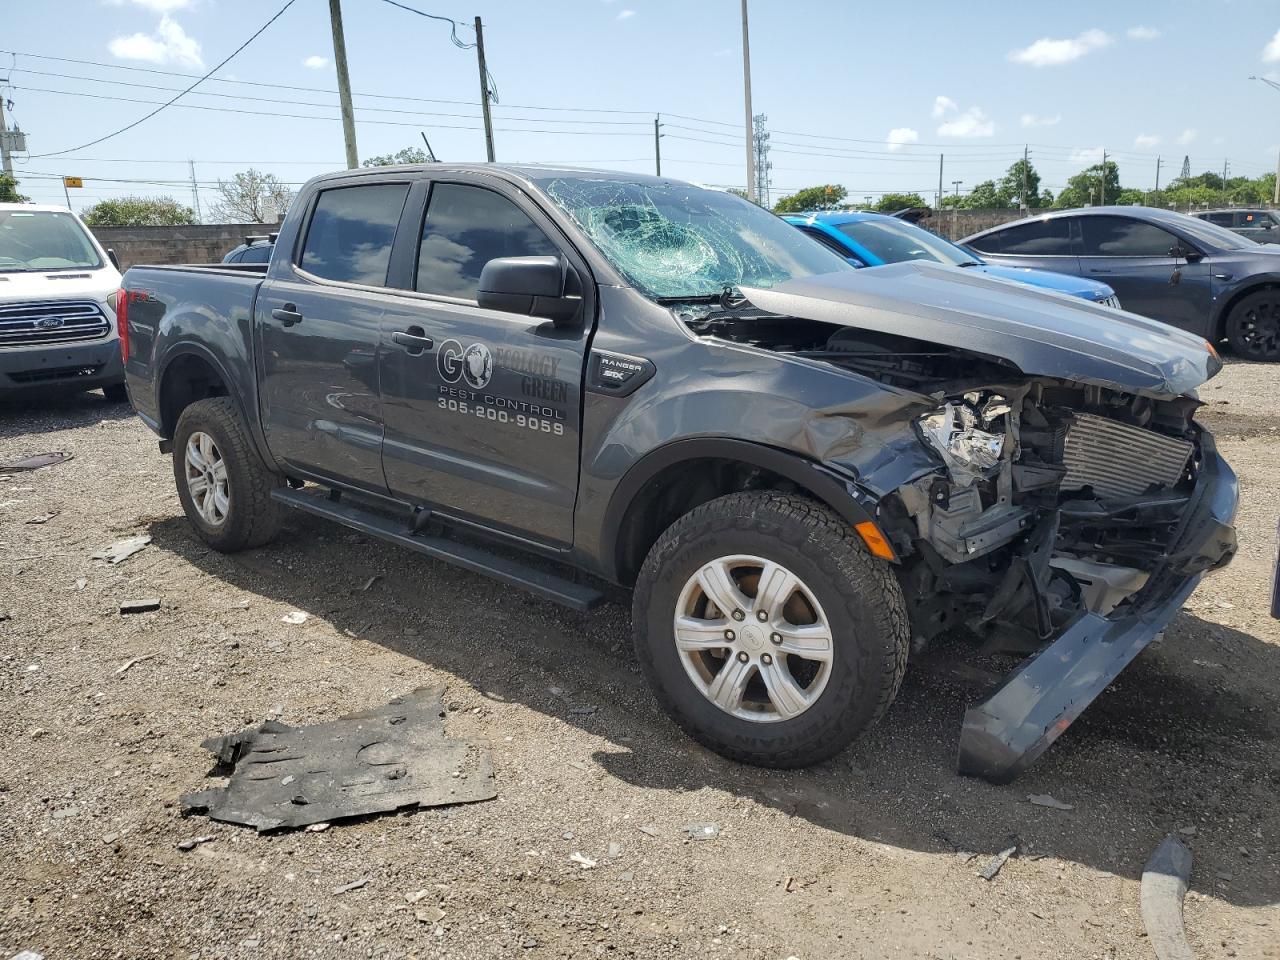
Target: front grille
[(1111, 301), (1120, 460), (51, 321), (45, 374)]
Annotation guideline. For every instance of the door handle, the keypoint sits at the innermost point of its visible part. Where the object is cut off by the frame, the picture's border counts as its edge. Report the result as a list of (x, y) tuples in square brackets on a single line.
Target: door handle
[(1223, 276), (414, 340), (1094, 270), (288, 314)]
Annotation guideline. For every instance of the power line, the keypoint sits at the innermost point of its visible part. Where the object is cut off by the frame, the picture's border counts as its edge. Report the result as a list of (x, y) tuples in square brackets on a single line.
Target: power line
[(453, 24), (219, 66)]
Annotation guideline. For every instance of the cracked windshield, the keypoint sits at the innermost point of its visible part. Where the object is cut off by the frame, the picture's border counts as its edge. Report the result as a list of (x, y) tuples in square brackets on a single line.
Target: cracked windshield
[(674, 240)]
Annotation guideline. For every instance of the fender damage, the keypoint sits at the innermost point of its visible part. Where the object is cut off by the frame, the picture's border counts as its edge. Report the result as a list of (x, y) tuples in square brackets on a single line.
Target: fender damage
[(1043, 483)]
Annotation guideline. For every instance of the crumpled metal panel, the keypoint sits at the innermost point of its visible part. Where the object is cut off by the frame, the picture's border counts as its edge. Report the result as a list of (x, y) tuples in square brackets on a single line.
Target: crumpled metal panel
[(388, 758)]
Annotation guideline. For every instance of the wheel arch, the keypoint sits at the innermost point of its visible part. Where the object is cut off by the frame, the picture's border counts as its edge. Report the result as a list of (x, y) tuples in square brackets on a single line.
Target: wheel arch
[(190, 373), (675, 478), (1252, 285)]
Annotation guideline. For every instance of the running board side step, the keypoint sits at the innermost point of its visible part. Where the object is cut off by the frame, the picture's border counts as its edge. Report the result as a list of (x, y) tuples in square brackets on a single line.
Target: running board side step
[(557, 589)]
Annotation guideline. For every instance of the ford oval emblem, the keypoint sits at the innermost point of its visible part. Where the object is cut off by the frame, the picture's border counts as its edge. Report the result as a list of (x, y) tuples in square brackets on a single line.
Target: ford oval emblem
[(50, 323)]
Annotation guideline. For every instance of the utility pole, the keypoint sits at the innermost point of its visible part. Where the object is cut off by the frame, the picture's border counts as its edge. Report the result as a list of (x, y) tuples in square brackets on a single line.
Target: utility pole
[(1226, 167), (1157, 175), (760, 141), (746, 93), (955, 210), (66, 193), (1102, 186), (938, 201), (657, 145), (1026, 152), (6, 158), (484, 91), (1276, 197), (195, 191), (344, 84)]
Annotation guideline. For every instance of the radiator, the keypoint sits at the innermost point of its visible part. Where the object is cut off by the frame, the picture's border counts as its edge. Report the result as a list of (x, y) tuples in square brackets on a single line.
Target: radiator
[(1119, 460)]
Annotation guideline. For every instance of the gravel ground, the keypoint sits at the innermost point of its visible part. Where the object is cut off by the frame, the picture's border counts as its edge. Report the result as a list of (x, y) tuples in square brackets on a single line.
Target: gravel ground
[(874, 854)]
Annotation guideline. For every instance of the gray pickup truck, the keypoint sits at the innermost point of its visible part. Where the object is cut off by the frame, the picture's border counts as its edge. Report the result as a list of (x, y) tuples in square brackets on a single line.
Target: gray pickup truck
[(805, 472)]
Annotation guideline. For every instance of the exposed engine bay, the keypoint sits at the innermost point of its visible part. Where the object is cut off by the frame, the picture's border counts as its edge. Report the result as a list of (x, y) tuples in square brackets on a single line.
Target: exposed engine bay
[(1051, 498)]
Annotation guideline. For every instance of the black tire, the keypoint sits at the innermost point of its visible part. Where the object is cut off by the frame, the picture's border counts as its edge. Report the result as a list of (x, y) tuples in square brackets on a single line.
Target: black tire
[(1253, 326), (116, 393), (252, 517), (859, 594)]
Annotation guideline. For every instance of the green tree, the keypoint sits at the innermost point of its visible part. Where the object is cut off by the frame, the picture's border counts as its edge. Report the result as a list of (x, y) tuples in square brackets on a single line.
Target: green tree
[(891, 202), (739, 192), (407, 155), (1091, 185), (9, 190), (1128, 196), (1010, 185), (825, 197), (252, 197), (139, 212), (985, 196)]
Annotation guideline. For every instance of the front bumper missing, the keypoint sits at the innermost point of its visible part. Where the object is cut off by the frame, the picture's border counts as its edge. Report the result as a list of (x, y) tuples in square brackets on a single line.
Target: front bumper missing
[(1004, 734)]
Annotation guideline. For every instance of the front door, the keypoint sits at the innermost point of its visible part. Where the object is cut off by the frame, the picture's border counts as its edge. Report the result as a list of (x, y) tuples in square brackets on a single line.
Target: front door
[(1135, 258), (482, 409), (319, 330)]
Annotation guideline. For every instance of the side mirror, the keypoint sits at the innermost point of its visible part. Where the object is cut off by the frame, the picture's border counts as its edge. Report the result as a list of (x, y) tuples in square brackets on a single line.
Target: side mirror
[(532, 286), (1180, 251), (111, 255)]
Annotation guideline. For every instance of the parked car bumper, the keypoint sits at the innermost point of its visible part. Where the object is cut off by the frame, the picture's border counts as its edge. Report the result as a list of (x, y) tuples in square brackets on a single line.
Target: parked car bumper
[(1005, 733), (60, 367)]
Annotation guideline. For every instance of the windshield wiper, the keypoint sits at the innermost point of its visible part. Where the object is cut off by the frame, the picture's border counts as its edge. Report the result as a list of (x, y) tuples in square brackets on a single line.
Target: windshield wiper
[(971, 263), (728, 299)]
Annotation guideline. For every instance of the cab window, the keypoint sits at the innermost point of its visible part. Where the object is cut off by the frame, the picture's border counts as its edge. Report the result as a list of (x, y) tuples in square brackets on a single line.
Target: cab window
[(466, 227), (351, 231), (1040, 238), (1123, 237)]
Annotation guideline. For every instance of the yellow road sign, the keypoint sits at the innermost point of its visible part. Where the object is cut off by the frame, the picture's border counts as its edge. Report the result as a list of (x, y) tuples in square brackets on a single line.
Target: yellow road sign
[(72, 182)]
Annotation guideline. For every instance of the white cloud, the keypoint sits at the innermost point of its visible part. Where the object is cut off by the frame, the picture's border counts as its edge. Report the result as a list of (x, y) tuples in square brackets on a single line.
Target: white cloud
[(1145, 141), (899, 137), (315, 62), (1271, 52), (1086, 156), (1034, 120), (1188, 136), (971, 123), (1047, 52), (1142, 33), (626, 14), (156, 6), (943, 106), (168, 45)]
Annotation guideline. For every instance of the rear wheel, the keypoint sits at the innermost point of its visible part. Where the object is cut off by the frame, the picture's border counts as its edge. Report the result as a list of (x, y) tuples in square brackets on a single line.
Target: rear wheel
[(767, 631), (224, 486), (1253, 326)]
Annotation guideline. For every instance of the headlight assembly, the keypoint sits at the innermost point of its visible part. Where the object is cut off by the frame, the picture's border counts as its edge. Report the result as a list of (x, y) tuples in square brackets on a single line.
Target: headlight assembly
[(955, 431)]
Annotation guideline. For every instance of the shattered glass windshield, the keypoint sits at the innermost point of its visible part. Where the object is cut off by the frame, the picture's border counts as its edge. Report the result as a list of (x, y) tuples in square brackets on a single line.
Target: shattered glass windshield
[(673, 240)]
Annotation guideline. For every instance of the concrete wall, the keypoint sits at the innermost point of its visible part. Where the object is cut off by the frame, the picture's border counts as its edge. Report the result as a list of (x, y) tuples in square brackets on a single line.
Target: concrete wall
[(204, 243), (958, 224)]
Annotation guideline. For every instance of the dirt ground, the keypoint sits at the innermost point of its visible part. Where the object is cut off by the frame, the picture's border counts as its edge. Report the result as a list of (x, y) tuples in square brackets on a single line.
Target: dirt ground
[(867, 856)]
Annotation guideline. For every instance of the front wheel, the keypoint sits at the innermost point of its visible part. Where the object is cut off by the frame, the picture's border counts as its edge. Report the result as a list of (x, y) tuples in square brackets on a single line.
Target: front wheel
[(1253, 326), (766, 630), (224, 486)]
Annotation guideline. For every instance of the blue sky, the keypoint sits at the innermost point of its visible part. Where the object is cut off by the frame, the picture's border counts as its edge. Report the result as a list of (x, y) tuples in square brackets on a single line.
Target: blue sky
[(859, 93)]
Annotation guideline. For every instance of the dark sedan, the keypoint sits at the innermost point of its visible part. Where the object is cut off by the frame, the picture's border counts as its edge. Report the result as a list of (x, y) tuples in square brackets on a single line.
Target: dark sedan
[(1183, 271), (1259, 225)]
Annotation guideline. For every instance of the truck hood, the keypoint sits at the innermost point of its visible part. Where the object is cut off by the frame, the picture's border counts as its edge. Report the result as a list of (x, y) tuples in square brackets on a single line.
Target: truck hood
[(1042, 334), (100, 285)]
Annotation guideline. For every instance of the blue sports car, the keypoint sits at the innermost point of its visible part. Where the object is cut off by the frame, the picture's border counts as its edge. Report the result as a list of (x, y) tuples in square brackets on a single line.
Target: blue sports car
[(873, 239)]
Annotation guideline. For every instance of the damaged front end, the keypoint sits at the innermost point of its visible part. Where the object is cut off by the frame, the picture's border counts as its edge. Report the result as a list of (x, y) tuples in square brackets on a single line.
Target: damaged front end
[(1049, 491)]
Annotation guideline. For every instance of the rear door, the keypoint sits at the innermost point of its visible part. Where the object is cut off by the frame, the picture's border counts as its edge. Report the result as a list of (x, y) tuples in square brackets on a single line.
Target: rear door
[(482, 408), (319, 326), (1135, 258), (1048, 244)]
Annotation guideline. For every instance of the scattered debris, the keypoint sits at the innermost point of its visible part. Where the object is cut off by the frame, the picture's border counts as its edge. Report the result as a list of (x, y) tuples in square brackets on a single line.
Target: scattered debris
[(134, 662), (585, 710), (417, 895), (66, 812), (585, 862), (1044, 800), (429, 915), (371, 581), (626, 876), (997, 862), (110, 838), (1209, 664), (392, 757), (81, 583), (348, 887), (701, 831), (140, 606), (43, 517), (28, 955), (1187, 831), (195, 842), (122, 550), (1164, 885), (320, 827), (296, 617), (615, 850), (649, 831), (36, 461)]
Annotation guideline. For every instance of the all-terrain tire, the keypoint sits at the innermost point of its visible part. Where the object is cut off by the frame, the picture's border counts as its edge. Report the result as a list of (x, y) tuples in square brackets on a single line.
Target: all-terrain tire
[(861, 597), (1253, 326), (252, 517)]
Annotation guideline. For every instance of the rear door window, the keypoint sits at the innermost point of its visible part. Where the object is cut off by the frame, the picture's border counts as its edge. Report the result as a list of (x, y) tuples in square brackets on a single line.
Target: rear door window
[(1124, 237), (1040, 238), (1221, 219), (466, 227), (351, 231), (831, 244)]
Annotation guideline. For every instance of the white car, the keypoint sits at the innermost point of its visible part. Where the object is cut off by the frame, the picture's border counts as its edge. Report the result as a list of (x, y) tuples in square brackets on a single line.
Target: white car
[(57, 305)]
